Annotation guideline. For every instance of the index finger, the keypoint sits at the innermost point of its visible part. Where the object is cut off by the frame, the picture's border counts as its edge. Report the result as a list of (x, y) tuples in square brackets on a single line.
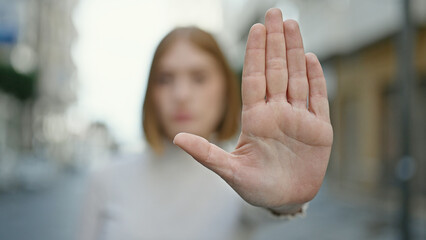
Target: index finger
[(254, 81)]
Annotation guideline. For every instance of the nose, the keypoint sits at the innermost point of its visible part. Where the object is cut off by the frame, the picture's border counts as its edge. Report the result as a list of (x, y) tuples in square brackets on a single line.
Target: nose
[(182, 90)]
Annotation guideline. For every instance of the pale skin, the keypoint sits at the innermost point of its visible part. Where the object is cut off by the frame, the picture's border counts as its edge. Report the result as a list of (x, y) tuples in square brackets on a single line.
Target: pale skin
[(191, 84), (284, 146)]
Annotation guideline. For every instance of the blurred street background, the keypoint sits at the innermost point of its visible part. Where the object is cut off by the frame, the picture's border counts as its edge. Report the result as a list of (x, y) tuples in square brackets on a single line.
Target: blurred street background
[(73, 75)]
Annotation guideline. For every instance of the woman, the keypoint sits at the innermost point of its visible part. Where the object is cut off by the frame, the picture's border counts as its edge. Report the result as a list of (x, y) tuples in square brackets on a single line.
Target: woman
[(279, 161)]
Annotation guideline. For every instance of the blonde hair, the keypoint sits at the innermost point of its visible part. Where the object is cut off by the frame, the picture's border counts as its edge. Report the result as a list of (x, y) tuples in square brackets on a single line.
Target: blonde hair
[(228, 126)]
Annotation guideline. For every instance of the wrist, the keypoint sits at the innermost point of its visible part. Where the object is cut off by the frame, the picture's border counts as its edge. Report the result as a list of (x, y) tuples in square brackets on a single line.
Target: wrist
[(289, 209)]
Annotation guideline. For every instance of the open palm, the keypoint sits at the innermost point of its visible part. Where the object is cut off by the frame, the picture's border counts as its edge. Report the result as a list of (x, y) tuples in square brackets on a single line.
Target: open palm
[(285, 143)]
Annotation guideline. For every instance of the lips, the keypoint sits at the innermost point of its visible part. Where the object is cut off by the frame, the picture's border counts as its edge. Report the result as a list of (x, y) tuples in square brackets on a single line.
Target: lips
[(182, 117)]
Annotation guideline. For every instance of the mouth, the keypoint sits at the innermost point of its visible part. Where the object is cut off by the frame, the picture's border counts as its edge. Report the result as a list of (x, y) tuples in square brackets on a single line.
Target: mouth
[(182, 117)]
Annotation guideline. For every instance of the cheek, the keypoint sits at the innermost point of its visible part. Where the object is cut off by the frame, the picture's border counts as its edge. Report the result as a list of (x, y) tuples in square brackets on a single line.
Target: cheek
[(160, 102), (214, 101)]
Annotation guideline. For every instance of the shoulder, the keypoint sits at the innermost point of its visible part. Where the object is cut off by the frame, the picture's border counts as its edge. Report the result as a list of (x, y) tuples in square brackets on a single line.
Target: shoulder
[(121, 168)]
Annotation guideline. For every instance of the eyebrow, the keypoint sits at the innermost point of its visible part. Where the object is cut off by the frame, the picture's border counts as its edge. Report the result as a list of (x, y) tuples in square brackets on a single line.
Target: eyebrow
[(198, 71), (191, 70)]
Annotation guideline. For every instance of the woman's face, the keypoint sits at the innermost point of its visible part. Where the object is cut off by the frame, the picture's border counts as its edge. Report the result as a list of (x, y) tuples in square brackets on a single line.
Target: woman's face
[(189, 93)]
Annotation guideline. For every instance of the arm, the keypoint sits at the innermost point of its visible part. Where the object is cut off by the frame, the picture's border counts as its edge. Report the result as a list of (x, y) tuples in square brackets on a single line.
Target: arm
[(284, 146)]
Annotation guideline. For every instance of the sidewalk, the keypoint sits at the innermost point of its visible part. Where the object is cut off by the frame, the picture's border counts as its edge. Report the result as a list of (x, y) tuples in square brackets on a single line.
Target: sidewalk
[(48, 214)]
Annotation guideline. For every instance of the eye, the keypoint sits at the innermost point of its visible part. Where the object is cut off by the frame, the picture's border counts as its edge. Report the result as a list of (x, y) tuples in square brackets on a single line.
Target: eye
[(199, 78), (164, 79)]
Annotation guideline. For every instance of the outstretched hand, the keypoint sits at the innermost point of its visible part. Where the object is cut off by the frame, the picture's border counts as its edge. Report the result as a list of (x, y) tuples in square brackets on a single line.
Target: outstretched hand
[(284, 147)]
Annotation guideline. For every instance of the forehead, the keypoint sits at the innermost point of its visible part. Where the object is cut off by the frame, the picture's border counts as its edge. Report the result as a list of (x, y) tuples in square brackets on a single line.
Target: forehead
[(185, 55)]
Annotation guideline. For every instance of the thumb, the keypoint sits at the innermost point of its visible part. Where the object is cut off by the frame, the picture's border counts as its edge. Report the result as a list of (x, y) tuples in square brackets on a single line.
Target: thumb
[(208, 154)]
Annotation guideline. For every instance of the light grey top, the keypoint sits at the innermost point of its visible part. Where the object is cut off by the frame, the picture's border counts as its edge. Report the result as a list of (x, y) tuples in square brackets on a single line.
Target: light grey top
[(162, 197)]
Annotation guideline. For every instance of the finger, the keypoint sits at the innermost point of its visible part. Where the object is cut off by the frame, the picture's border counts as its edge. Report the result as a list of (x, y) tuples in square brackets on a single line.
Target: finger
[(253, 83), (276, 66), (297, 92), (318, 101), (209, 155)]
